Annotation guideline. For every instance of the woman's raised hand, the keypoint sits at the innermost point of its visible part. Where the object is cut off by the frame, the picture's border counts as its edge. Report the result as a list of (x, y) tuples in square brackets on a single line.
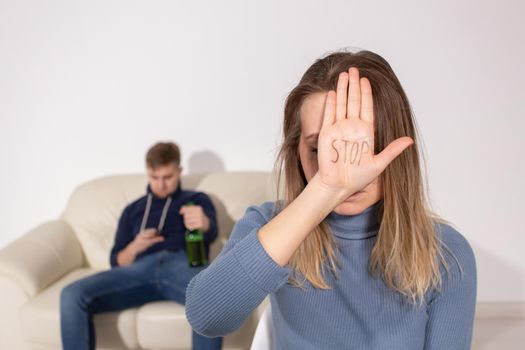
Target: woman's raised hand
[(347, 162)]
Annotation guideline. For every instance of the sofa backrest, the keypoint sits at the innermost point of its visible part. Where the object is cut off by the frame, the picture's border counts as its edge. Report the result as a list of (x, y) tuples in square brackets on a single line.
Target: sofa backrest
[(94, 207)]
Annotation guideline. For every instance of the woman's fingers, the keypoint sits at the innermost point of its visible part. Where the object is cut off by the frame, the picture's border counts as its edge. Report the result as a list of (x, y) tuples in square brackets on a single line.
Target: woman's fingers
[(354, 94), (367, 101), (392, 151), (329, 109), (342, 87)]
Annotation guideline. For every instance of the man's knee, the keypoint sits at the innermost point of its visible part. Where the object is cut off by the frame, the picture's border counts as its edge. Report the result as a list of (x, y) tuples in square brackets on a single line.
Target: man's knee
[(72, 295)]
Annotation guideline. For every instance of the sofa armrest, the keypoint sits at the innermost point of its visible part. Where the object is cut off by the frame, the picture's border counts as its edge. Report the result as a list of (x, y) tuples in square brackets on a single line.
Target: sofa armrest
[(41, 256)]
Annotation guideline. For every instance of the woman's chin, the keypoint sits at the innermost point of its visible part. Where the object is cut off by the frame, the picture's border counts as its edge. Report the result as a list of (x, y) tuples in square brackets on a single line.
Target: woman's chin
[(357, 203), (350, 208)]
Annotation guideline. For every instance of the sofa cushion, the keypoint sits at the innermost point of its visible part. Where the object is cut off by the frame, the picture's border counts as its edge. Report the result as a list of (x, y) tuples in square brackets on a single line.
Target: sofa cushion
[(157, 325), (163, 325), (93, 211), (40, 319)]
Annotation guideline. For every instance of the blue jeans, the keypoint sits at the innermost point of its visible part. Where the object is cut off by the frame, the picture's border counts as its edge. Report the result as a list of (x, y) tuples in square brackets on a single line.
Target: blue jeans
[(159, 276)]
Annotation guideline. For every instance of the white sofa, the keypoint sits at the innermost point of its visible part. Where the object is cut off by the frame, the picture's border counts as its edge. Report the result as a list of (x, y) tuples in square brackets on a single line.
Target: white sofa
[(34, 268)]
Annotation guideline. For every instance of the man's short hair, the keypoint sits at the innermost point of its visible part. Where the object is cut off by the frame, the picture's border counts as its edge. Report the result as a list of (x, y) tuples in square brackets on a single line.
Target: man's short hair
[(161, 154)]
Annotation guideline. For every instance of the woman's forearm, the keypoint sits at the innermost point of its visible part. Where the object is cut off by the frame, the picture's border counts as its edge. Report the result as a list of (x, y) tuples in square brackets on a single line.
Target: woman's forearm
[(284, 234)]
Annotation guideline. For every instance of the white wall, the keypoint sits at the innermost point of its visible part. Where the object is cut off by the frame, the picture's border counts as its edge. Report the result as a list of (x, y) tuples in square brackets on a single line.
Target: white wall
[(87, 86)]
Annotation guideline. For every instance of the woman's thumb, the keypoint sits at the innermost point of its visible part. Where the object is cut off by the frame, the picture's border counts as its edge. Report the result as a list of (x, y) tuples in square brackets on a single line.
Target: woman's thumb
[(392, 151)]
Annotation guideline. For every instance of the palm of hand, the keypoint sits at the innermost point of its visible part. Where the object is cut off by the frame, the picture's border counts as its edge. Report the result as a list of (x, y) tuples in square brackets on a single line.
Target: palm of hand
[(346, 154), (346, 140)]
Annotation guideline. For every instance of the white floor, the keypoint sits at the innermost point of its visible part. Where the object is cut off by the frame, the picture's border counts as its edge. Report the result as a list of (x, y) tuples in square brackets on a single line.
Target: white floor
[(498, 334)]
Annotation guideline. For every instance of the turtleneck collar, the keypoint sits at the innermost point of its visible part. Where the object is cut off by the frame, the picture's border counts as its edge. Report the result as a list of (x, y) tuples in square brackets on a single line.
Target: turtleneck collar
[(361, 226)]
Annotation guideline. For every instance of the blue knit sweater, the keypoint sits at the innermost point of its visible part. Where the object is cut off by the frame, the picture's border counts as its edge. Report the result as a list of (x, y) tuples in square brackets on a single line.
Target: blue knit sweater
[(358, 312)]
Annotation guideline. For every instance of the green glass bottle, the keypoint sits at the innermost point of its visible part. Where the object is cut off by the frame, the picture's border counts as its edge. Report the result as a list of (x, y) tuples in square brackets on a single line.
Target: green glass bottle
[(195, 247)]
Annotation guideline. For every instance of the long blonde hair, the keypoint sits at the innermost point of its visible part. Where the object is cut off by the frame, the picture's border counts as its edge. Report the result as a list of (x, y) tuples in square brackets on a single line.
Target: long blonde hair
[(407, 254)]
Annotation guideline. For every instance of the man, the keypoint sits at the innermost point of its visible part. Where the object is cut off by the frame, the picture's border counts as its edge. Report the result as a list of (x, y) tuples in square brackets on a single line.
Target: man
[(148, 259)]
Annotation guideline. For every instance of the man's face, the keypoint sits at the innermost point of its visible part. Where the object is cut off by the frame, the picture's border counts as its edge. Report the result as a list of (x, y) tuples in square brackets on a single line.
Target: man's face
[(164, 179)]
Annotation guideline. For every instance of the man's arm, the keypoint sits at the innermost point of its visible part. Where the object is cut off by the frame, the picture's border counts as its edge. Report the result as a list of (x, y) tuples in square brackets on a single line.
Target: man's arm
[(126, 256), (127, 246), (122, 238), (142, 241)]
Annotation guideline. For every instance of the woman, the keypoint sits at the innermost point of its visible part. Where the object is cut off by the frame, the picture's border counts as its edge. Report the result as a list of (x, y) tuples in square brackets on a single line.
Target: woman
[(351, 257)]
